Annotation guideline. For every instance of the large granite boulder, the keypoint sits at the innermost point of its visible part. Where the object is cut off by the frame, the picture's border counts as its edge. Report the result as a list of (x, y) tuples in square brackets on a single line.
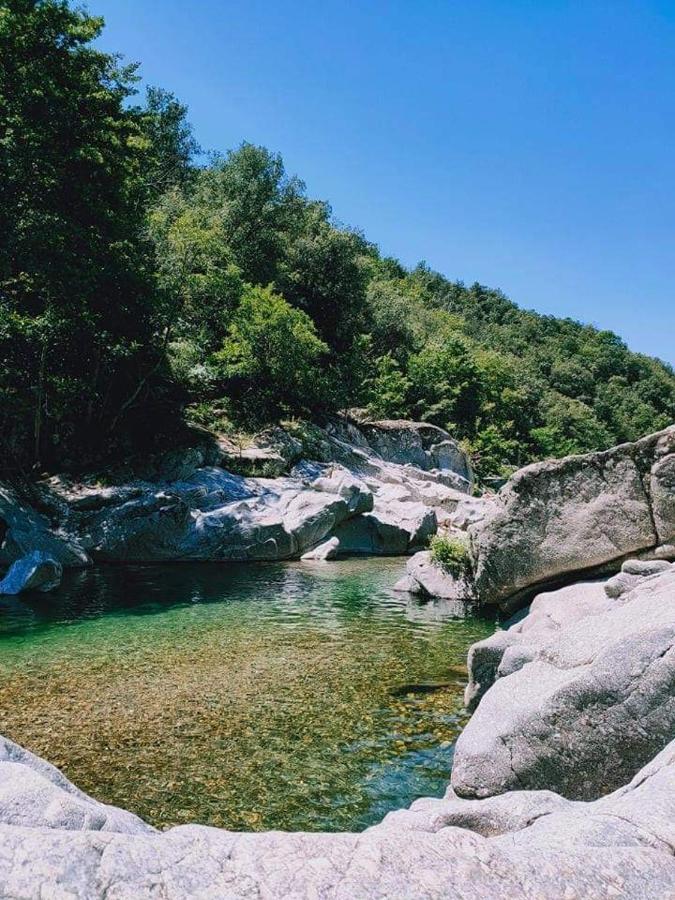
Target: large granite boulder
[(24, 530), (35, 572), (216, 515), (578, 705), (577, 514), (393, 528)]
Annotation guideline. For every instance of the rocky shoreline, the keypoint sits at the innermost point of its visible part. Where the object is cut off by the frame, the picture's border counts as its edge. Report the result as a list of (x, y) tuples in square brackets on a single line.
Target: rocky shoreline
[(563, 781), (563, 785), (382, 488)]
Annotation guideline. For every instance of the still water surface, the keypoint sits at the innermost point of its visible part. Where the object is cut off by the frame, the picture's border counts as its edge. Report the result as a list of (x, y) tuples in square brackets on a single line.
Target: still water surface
[(248, 697)]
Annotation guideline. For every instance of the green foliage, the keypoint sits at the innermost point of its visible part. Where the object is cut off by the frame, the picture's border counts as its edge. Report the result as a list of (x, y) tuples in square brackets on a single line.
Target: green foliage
[(78, 348), (450, 554), (445, 382), (571, 427), (388, 389), (270, 359), (133, 281)]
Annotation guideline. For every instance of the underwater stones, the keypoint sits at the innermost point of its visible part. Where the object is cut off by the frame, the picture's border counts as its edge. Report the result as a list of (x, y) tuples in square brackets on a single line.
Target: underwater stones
[(35, 572)]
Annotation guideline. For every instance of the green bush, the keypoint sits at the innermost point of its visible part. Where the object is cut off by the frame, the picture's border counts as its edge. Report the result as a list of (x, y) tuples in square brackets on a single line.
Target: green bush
[(450, 554)]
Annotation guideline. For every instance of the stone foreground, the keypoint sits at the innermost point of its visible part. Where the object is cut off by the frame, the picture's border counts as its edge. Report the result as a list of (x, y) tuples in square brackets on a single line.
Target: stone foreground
[(55, 842), (579, 695)]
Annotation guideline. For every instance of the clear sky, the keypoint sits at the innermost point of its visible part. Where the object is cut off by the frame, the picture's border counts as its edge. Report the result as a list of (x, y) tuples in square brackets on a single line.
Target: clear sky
[(525, 144)]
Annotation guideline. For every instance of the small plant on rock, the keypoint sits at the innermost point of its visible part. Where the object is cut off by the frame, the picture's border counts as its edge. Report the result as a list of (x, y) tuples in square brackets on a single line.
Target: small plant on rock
[(450, 554)]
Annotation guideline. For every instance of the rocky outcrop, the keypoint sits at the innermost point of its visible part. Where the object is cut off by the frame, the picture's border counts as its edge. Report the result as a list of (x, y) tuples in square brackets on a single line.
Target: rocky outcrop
[(23, 529), (186, 507), (35, 572), (583, 693), (559, 520), (56, 841)]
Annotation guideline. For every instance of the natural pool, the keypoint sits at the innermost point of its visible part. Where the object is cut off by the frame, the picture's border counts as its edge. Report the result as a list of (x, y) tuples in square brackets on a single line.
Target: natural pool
[(247, 697)]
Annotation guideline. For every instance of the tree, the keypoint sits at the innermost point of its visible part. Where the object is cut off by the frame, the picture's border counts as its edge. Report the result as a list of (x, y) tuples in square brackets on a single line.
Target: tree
[(260, 207), (170, 143), (445, 383), (323, 274), (570, 427), (75, 282), (200, 283), (270, 361), (388, 390)]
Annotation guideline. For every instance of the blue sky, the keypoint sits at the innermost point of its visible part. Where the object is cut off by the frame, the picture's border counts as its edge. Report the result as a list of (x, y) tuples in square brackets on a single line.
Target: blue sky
[(525, 145)]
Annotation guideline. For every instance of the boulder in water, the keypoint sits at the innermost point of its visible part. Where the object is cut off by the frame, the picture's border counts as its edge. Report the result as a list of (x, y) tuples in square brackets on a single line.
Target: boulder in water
[(35, 572)]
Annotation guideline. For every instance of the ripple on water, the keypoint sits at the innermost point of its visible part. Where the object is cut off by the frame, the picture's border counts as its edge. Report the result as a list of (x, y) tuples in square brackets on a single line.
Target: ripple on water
[(246, 697)]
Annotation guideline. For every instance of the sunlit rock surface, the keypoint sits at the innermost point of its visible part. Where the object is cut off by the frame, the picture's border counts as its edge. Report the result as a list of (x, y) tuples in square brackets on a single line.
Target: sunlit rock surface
[(583, 693), (56, 842), (564, 519), (379, 490)]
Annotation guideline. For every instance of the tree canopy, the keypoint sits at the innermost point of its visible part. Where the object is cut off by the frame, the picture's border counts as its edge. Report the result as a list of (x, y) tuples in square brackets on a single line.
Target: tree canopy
[(140, 280)]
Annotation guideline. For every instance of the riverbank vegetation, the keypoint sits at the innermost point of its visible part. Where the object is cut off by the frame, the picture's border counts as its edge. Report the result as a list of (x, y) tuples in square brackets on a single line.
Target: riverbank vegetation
[(144, 284)]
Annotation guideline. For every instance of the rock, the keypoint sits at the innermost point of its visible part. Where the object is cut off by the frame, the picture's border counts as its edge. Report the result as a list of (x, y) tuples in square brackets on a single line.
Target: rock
[(631, 574), (447, 454), (506, 651), (328, 550), (35, 572), (433, 581), (408, 585), (581, 711), (188, 507), (255, 461), (530, 844), (391, 529), (665, 551), (470, 511), (24, 530), (418, 444), (645, 567)]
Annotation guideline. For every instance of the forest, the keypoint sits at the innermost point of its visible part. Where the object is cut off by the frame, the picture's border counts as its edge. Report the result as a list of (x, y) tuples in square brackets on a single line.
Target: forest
[(147, 286)]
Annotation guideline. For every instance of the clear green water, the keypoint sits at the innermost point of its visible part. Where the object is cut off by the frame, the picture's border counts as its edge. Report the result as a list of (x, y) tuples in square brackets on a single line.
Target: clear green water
[(245, 697)]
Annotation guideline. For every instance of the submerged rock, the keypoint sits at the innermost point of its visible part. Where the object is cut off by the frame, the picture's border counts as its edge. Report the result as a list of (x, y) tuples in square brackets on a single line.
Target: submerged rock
[(35, 572)]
